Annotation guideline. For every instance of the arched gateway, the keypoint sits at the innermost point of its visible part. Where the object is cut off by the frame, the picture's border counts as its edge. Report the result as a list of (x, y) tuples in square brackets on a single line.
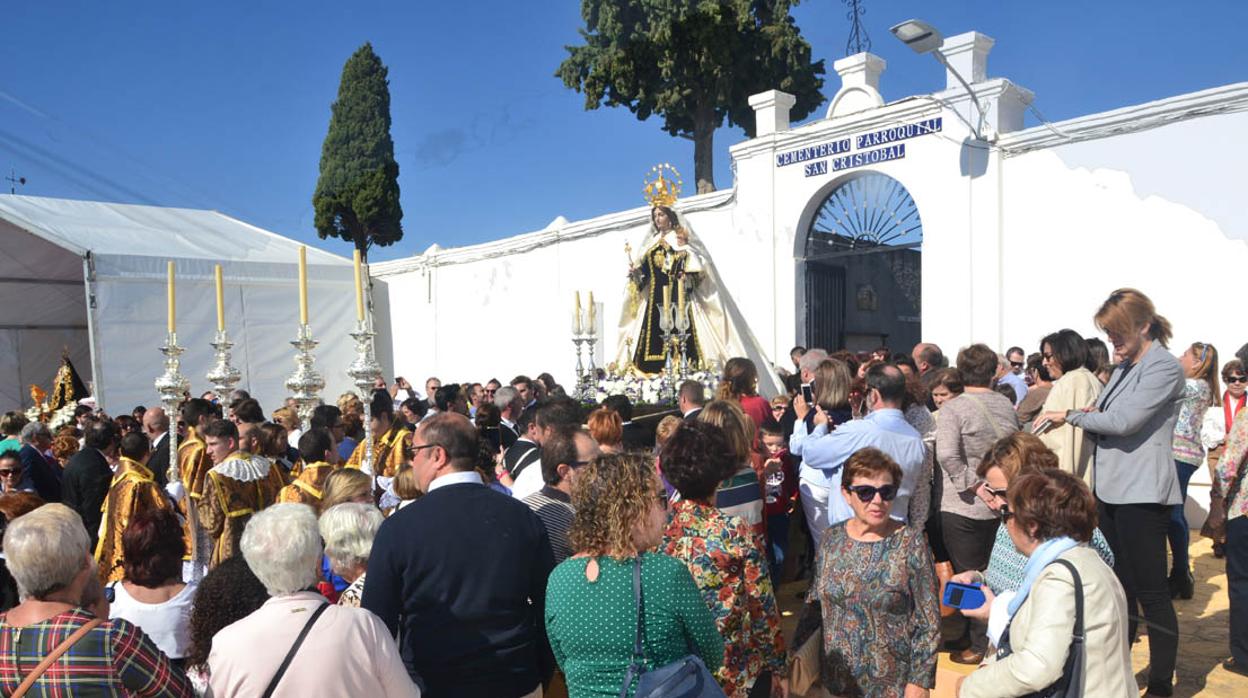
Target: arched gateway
[(860, 270)]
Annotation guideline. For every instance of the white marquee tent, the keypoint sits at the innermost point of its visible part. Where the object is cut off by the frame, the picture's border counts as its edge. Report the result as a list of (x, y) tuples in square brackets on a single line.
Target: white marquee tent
[(90, 277)]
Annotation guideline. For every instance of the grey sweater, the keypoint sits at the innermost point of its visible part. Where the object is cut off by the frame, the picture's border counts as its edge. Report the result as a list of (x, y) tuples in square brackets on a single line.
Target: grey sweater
[(966, 427)]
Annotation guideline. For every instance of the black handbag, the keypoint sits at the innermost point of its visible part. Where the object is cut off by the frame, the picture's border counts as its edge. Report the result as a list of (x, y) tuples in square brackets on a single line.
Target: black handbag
[(686, 677), (1070, 685)]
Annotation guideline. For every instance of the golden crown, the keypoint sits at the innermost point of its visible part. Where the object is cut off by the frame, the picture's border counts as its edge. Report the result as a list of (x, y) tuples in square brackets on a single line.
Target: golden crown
[(662, 185)]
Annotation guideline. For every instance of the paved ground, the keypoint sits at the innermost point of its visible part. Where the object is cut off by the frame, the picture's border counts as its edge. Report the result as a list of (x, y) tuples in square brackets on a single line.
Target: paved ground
[(1202, 634)]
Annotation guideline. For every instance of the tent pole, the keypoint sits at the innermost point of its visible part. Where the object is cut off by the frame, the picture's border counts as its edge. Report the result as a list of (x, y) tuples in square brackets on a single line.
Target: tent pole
[(88, 279)]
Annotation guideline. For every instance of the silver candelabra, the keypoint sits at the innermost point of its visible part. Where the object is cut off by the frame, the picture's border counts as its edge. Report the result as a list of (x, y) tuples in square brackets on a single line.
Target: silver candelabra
[(223, 376), (364, 372), (172, 386), (306, 383)]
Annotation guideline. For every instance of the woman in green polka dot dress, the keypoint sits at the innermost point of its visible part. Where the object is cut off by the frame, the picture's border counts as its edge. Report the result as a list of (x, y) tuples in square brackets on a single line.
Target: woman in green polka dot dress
[(621, 510)]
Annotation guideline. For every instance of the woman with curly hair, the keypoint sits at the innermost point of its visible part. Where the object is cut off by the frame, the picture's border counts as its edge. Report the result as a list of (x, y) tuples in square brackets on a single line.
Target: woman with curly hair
[(228, 593), (725, 556), (591, 616)]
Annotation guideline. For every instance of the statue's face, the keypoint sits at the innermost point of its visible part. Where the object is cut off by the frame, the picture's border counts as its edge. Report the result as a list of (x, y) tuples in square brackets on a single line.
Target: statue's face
[(661, 221)]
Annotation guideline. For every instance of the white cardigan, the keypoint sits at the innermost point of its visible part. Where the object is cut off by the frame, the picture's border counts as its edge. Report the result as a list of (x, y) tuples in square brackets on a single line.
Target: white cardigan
[(1041, 630)]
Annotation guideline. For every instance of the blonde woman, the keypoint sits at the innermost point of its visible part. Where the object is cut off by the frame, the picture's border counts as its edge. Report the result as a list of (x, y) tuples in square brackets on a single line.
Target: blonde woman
[(1065, 355), (741, 494)]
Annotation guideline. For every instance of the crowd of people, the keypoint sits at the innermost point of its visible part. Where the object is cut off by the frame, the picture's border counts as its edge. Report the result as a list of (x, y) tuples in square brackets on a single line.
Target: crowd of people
[(506, 541)]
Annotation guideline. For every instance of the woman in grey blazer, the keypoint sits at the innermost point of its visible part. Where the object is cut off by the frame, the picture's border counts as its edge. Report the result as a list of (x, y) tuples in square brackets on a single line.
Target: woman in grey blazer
[(1133, 470)]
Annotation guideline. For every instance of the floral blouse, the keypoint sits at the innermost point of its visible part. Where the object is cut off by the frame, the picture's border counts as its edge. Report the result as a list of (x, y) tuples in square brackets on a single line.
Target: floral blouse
[(1230, 464), (876, 605), (726, 558), (1193, 403)]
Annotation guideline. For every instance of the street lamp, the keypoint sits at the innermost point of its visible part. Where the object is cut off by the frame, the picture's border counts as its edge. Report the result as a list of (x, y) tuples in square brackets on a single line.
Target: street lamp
[(922, 38)]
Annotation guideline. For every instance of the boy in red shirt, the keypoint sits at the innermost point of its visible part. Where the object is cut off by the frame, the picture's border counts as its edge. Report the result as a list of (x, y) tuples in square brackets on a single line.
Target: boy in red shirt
[(780, 491)]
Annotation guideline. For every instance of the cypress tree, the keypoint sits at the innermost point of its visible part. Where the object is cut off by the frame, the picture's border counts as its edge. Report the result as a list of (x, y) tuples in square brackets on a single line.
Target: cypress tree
[(357, 194)]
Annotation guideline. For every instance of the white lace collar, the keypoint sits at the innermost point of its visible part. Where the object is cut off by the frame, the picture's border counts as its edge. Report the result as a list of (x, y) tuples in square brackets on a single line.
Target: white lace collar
[(244, 467)]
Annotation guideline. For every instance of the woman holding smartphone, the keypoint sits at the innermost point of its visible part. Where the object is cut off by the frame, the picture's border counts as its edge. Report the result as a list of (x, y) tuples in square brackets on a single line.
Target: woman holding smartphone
[(1136, 485)]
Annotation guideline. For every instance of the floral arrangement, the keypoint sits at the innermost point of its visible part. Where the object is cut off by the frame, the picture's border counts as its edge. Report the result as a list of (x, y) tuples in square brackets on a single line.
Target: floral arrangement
[(647, 390)]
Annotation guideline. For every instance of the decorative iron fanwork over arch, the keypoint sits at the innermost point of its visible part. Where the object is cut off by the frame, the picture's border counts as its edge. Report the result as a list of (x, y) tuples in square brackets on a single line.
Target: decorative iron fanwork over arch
[(866, 212)]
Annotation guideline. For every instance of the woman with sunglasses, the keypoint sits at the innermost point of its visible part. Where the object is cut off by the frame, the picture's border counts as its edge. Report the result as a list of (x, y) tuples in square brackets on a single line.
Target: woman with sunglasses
[(1065, 354), (873, 597), (1016, 455), (726, 557), (1135, 481), (1216, 425), (1200, 370), (1050, 516)]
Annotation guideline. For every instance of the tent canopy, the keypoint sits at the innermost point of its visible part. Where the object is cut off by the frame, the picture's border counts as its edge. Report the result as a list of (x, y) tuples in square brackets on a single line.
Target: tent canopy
[(90, 277)]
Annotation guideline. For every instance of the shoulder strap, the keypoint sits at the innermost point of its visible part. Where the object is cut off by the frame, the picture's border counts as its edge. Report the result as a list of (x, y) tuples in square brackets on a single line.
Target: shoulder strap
[(294, 649), (638, 659), (1078, 633), (54, 655)]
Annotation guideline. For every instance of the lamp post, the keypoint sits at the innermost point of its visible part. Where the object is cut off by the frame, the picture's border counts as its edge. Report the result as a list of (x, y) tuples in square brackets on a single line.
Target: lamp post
[(923, 38)]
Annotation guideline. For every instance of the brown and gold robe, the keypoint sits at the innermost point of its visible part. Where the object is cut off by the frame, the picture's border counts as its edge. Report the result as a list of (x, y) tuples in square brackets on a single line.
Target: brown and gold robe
[(234, 490), (133, 489)]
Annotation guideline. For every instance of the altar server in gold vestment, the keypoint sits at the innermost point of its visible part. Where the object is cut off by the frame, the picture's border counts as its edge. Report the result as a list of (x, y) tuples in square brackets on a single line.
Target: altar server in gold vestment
[(319, 454), (388, 438), (133, 489), (193, 467), (239, 485)]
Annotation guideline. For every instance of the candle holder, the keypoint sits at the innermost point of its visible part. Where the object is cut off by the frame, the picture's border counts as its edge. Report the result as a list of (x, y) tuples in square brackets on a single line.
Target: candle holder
[(364, 372), (591, 371), (577, 340), (223, 376), (172, 386), (306, 383)]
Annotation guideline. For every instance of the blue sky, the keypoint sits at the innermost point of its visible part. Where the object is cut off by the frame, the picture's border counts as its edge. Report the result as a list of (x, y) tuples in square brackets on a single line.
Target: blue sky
[(225, 105)]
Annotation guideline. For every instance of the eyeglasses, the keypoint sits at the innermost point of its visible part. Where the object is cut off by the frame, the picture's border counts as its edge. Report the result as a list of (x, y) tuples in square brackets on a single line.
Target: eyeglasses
[(1004, 513), (662, 499), (1237, 379), (10, 472), (1047, 357), (996, 492), (410, 451), (866, 493), (1016, 364), (778, 408)]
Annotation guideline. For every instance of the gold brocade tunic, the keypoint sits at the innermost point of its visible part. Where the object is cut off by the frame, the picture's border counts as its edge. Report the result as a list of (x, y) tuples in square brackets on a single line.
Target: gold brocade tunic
[(307, 488), (133, 490), (387, 452), (193, 467), (234, 490)]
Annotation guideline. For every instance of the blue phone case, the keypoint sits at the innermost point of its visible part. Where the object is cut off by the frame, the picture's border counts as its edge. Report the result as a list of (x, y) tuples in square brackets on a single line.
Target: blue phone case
[(963, 595)]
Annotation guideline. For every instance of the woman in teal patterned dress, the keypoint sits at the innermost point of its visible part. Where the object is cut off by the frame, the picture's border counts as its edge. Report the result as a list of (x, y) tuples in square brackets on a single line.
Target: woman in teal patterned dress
[(874, 594)]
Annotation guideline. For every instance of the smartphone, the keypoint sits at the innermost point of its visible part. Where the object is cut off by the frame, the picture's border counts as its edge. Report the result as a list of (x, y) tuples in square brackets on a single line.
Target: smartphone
[(963, 595), (1041, 427), (808, 394)]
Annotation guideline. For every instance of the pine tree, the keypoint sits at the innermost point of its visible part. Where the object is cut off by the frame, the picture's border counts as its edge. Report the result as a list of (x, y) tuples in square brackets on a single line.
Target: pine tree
[(357, 194)]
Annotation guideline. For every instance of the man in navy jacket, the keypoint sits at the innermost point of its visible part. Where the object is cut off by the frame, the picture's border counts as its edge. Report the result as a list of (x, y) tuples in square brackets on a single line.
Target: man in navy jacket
[(460, 575)]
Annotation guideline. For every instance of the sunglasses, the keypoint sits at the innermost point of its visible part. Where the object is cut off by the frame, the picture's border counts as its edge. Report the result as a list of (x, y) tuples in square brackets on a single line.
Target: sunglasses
[(1016, 364), (1000, 493), (662, 499), (1237, 379), (866, 493), (778, 408), (1004, 513), (6, 472)]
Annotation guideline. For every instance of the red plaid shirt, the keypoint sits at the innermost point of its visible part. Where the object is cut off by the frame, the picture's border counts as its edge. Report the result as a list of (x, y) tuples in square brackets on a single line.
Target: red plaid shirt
[(114, 659)]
